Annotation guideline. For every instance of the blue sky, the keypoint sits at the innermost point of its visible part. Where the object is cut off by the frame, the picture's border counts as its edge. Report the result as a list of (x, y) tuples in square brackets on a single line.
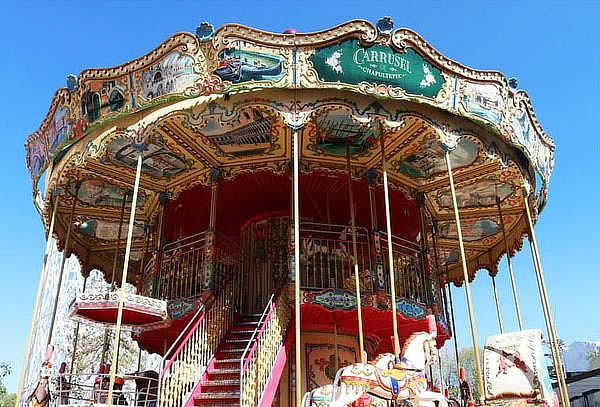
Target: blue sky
[(551, 47)]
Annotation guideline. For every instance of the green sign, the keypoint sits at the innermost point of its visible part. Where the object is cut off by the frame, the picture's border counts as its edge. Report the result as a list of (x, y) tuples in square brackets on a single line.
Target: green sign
[(351, 63)]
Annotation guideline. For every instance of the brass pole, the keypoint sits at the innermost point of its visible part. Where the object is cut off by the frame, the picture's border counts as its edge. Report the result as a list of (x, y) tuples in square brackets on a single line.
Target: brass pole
[(361, 341), (63, 261), (466, 281), (297, 268), (388, 223), (335, 343), (115, 356), (497, 304), (510, 267), (37, 301), (116, 255), (455, 336), (537, 265), (76, 335)]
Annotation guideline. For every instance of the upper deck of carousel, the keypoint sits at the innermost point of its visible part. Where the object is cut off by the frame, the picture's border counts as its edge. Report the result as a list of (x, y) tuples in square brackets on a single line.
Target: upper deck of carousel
[(227, 101)]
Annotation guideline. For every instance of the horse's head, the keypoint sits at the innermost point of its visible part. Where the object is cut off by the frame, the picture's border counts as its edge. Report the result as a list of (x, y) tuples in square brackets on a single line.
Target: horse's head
[(420, 350)]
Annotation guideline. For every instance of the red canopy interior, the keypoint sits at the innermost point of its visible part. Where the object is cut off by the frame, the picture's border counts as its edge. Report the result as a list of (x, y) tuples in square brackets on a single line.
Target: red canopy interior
[(260, 193)]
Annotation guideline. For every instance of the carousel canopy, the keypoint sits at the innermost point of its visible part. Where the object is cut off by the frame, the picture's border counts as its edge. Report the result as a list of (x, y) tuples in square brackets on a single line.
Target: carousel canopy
[(227, 102)]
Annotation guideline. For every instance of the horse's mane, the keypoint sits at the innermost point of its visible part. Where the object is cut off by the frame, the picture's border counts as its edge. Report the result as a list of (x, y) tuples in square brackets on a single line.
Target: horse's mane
[(409, 340)]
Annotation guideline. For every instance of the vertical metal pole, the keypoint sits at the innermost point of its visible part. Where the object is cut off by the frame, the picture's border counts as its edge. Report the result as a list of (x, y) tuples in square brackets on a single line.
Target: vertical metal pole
[(510, 267), (76, 335), (297, 268), (116, 255), (466, 282), (361, 341), (115, 355), (388, 223), (37, 301), (497, 304), (454, 330), (537, 265), (63, 261)]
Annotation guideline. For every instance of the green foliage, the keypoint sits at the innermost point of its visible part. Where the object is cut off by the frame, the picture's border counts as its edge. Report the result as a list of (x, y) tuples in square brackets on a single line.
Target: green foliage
[(466, 357), (8, 400)]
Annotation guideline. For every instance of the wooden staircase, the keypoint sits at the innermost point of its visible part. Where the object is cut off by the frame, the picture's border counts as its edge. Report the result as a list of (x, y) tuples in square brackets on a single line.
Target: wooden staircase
[(220, 385)]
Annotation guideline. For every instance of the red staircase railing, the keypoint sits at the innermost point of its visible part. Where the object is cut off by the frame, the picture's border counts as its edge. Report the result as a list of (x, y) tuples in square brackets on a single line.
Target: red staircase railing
[(260, 356), (187, 359)]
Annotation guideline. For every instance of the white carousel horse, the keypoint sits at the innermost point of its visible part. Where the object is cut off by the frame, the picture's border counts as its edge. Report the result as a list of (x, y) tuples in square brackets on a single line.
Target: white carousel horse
[(384, 379)]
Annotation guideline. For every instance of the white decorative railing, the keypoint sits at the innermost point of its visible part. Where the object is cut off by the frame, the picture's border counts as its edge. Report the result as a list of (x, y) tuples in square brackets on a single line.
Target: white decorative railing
[(259, 357), (187, 359)]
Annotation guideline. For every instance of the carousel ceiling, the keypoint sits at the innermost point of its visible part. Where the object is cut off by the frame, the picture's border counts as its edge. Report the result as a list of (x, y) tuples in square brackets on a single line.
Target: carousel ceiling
[(227, 103)]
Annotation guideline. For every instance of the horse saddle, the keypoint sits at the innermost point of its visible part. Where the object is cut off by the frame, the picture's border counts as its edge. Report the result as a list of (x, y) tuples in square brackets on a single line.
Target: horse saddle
[(394, 373)]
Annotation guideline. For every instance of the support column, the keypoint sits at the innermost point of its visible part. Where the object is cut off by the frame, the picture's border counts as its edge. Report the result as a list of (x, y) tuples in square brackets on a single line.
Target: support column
[(63, 261), (76, 335), (539, 274), (463, 257), (37, 299), (210, 278), (377, 268), (510, 267), (497, 304), (296, 196), (361, 341), (115, 355), (388, 223)]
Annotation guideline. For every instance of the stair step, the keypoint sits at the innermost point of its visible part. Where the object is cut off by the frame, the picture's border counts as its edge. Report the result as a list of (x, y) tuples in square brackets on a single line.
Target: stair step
[(233, 394), (237, 340), (221, 383)]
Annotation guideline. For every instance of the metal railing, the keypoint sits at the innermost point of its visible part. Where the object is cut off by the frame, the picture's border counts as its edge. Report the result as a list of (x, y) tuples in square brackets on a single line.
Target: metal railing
[(260, 355), (409, 271), (187, 359), (327, 259), (183, 264), (136, 389)]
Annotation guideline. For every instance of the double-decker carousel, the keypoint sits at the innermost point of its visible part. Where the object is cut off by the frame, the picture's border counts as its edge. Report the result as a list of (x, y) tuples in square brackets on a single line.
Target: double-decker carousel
[(292, 210)]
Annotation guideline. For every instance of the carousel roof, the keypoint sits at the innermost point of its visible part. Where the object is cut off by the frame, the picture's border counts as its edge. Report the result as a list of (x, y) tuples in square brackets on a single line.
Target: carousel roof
[(229, 99)]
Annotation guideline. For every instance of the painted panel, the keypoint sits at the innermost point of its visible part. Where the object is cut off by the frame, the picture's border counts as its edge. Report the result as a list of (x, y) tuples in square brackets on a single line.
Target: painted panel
[(98, 192), (338, 128), (320, 362), (245, 62), (158, 160), (473, 230), (427, 157), (173, 74), (479, 194), (483, 100), (248, 134), (105, 230), (59, 128), (526, 135), (349, 62)]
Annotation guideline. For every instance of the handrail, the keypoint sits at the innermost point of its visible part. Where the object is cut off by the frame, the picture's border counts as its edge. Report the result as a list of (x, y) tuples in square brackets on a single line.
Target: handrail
[(260, 354), (188, 357), (257, 332)]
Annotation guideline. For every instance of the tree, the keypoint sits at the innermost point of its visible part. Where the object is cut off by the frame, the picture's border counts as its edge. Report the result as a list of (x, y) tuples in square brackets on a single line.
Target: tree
[(6, 399), (466, 357)]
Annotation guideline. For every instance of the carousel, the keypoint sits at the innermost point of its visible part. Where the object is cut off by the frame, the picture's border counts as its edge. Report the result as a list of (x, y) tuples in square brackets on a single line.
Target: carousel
[(292, 211)]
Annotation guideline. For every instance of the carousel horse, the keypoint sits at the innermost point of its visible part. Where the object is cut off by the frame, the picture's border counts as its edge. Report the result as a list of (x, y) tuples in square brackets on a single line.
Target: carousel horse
[(385, 378), (40, 397)]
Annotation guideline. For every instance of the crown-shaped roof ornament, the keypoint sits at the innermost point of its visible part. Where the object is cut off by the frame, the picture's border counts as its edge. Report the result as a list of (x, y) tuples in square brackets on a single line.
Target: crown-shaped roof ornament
[(385, 25), (205, 31)]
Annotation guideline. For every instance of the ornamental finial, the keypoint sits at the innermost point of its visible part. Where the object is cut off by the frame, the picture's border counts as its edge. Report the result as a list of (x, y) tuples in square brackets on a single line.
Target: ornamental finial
[(385, 25)]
